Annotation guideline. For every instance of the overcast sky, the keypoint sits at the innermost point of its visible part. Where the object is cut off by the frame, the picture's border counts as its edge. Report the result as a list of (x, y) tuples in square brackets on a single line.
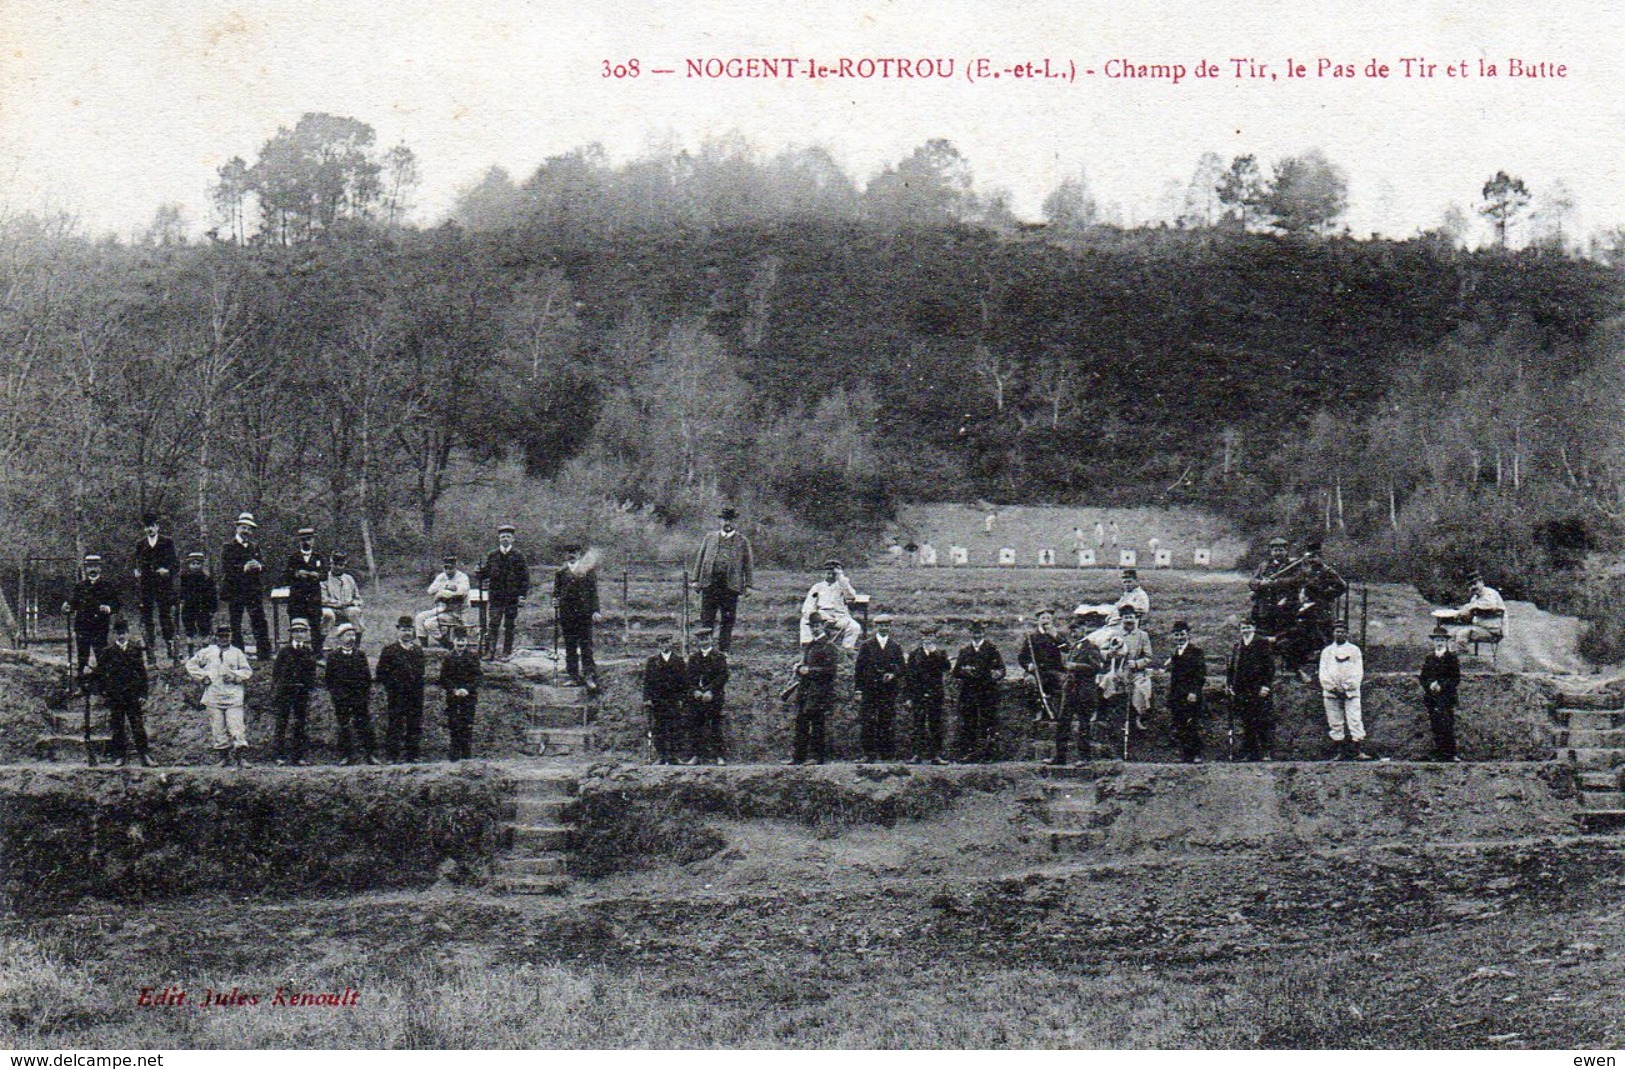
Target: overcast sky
[(109, 108)]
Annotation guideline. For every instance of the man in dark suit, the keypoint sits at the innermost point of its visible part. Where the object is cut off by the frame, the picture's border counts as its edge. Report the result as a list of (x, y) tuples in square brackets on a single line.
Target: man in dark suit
[(878, 675), (460, 679), (1250, 678), (241, 568), (506, 579), (93, 602), (1080, 693), (816, 695), (121, 672), (979, 669), (156, 566), (575, 599), (349, 684), (1441, 677), (199, 600), (1187, 675), (293, 677), (722, 575), (665, 694), (926, 668), (401, 673), (1041, 657), (303, 575), (707, 681)]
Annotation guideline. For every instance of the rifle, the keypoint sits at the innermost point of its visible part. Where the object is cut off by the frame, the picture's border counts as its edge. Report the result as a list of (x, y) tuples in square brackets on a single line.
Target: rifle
[(90, 752), (795, 681), (1045, 711)]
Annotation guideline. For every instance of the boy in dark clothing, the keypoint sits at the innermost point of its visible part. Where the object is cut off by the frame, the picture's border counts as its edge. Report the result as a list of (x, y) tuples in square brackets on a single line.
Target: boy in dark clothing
[(665, 691), (349, 685), (460, 679), (1187, 675), (401, 673), (1441, 677), (121, 671), (979, 668), (199, 600), (707, 680), (926, 666), (293, 677)]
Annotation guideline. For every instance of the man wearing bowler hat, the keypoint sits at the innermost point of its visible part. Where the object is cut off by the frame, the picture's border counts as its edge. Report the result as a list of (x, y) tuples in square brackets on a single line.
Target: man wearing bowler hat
[(401, 673), (1441, 678), (722, 575)]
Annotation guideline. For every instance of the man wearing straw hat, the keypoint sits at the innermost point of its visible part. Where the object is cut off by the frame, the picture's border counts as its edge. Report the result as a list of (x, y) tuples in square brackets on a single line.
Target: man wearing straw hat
[(241, 568), (93, 601)]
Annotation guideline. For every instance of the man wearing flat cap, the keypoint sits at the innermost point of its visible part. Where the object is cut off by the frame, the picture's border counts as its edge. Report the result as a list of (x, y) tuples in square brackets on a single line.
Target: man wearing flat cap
[(121, 673), (156, 566), (449, 589), (707, 683), (241, 571), (1274, 590), (1134, 595), (223, 669), (979, 669), (93, 602), (820, 660), (506, 578), (1483, 618), (575, 599), (1319, 588), (927, 666), (878, 676), (1080, 692), (1041, 657), (341, 596), (829, 598), (293, 677), (460, 681), (665, 692), (303, 575), (1187, 680), (401, 674), (722, 575), (349, 684)]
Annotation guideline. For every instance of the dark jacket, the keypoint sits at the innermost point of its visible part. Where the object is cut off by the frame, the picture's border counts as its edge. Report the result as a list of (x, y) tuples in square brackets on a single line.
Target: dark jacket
[(1187, 674), (708, 671), (576, 596), (1042, 650), (506, 576), (1445, 671), (822, 660), (665, 680), (122, 674), (979, 670), (294, 670), (146, 561), (461, 670), (85, 603), (874, 664), (197, 590), (400, 670), (237, 585), (305, 592), (925, 674), (348, 674), (1251, 668)]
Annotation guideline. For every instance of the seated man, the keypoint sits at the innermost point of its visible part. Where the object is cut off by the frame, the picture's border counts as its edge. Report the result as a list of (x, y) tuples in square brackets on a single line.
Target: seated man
[(341, 596), (1483, 618), (1134, 595), (828, 598), (450, 591)]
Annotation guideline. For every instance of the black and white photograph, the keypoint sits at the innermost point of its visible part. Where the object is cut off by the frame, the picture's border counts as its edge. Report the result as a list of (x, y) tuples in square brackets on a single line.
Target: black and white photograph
[(879, 525)]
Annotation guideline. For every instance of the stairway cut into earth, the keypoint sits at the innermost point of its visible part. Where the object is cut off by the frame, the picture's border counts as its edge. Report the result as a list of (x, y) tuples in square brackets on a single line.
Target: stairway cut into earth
[(1593, 741), (560, 721), (536, 840)]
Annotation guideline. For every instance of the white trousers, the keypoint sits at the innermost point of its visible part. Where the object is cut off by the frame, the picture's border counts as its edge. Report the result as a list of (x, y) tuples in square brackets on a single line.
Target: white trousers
[(849, 628), (1343, 714), (226, 728)]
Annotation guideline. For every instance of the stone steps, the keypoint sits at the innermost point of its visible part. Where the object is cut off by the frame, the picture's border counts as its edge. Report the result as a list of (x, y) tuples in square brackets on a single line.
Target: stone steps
[(537, 835), (1593, 740), (561, 741), (1589, 719)]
